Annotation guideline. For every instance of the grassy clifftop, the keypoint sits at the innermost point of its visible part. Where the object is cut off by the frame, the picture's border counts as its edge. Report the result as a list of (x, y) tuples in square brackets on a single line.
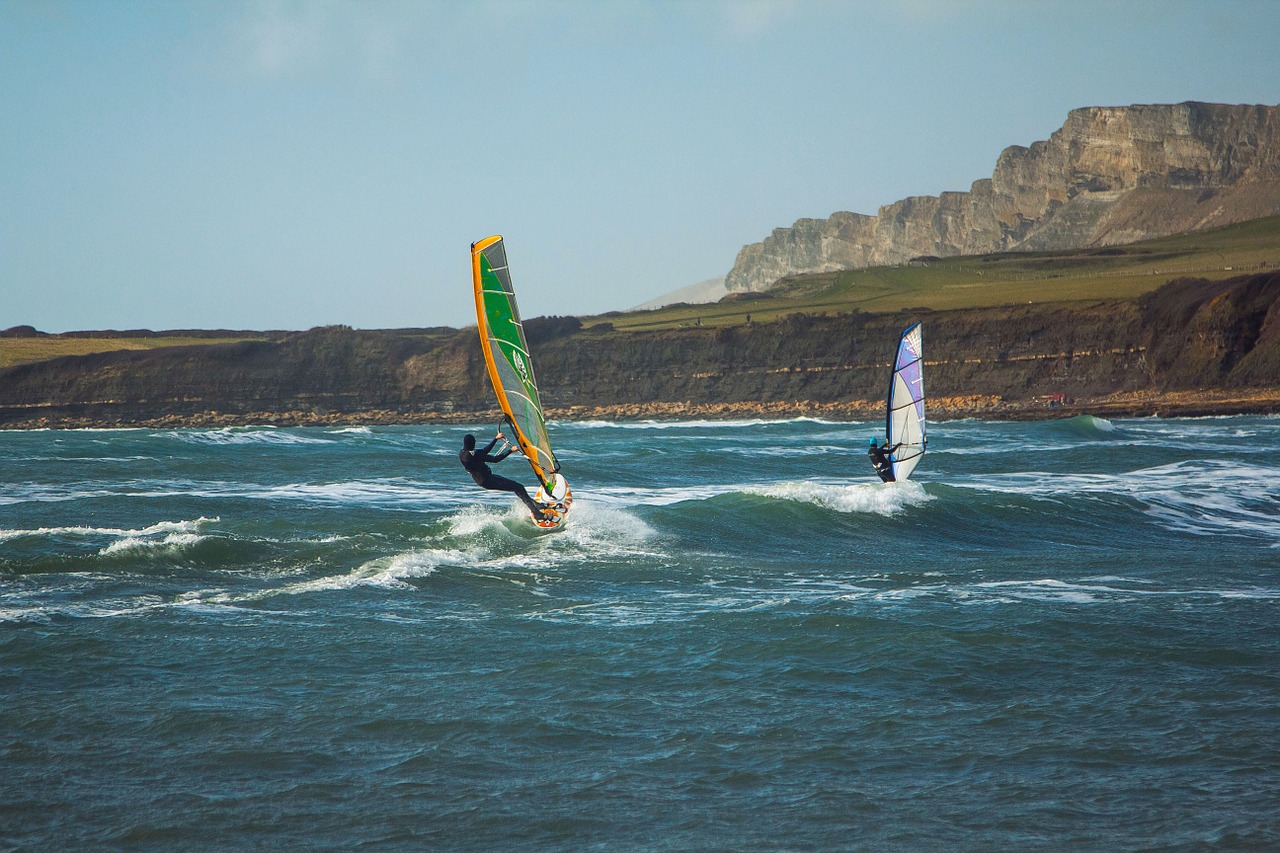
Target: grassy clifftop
[(28, 348), (985, 281)]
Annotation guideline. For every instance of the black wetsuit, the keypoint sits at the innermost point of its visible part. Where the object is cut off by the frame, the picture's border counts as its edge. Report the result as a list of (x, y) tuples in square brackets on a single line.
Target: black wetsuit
[(879, 457), (474, 461)]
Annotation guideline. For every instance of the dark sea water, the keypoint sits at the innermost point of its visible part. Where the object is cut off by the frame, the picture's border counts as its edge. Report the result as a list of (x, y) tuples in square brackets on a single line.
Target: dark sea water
[(1059, 636)]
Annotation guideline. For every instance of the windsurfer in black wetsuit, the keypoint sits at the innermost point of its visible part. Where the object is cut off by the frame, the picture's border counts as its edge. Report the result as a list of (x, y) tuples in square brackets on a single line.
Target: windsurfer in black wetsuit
[(475, 463), (879, 456)]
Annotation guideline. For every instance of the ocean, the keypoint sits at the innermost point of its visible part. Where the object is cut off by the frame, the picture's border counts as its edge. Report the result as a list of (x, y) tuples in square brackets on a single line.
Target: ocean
[(1059, 635)]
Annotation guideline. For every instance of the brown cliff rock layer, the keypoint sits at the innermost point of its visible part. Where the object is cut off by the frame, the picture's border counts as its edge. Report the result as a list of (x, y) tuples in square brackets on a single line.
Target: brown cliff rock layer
[(1193, 346)]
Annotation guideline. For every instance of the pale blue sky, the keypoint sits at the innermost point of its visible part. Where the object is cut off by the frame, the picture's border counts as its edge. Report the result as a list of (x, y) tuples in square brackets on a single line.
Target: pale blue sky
[(281, 165)]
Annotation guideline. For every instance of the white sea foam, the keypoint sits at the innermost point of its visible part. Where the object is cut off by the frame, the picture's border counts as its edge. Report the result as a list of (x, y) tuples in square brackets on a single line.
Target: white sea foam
[(476, 520), (1204, 497), (388, 572), (209, 602), (43, 493), (790, 451), (878, 498), (658, 496), (502, 541), (872, 593), (616, 613), (594, 530), (173, 542), (161, 527), (396, 491), (1048, 589), (600, 527), (80, 459), (731, 596), (1100, 424), (107, 608), (1093, 591), (1197, 434), (196, 603), (693, 424), (245, 435), (597, 424)]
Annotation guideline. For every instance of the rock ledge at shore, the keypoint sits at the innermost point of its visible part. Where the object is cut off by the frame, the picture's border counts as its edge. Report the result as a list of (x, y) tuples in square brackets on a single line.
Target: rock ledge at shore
[(993, 408)]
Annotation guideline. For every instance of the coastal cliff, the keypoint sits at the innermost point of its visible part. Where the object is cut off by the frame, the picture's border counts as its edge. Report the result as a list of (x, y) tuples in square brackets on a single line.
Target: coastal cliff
[(1109, 175), (1191, 347)]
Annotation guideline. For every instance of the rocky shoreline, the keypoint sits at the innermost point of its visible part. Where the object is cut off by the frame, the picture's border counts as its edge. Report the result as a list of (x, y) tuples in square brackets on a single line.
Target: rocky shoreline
[(1143, 404)]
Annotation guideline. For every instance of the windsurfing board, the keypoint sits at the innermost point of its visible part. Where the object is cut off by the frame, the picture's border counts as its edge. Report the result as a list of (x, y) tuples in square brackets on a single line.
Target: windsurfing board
[(555, 504)]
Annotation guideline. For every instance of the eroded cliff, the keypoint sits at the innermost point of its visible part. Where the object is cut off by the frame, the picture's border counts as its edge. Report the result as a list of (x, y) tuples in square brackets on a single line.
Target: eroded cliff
[(1109, 175), (1189, 336)]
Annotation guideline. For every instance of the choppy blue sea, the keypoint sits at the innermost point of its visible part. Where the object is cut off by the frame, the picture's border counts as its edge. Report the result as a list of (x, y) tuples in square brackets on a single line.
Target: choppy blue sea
[(1058, 636)]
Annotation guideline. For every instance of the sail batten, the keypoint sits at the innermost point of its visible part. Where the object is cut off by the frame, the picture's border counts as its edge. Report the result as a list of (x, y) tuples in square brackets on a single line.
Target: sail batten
[(905, 417)]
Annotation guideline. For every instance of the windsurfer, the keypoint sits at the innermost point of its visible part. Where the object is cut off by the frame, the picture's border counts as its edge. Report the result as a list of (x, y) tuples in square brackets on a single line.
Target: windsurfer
[(475, 463), (879, 456)]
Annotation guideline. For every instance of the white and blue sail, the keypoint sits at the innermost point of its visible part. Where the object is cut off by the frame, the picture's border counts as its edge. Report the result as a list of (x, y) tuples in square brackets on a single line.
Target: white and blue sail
[(905, 421)]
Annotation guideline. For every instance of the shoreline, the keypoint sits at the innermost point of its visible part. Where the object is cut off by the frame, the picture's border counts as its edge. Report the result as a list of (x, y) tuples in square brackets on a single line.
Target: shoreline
[(1142, 404)]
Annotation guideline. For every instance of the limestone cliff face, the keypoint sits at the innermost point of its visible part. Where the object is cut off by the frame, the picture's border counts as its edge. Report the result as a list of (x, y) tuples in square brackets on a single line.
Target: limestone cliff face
[(1110, 175)]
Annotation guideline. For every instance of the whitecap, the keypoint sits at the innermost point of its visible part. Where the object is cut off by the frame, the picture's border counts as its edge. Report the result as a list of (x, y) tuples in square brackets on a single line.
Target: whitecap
[(696, 424), (245, 435), (388, 572), (604, 529), (43, 493), (475, 520), (503, 542), (393, 491), (788, 451), (173, 542), (878, 498), (1201, 497), (593, 529), (1048, 589), (661, 496), (1086, 592), (167, 527)]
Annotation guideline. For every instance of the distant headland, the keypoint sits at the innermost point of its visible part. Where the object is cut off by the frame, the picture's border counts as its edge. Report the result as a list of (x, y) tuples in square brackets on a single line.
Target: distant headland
[(1109, 176)]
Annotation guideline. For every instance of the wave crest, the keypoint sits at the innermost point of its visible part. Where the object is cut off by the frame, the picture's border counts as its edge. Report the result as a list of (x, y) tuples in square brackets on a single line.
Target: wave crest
[(166, 527), (875, 498)]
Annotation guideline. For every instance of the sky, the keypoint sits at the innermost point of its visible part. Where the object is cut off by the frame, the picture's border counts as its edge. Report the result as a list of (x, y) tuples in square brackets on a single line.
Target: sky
[(276, 164)]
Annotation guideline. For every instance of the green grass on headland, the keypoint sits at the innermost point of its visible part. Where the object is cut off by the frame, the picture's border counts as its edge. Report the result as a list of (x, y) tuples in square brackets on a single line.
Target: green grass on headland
[(15, 351), (984, 281)]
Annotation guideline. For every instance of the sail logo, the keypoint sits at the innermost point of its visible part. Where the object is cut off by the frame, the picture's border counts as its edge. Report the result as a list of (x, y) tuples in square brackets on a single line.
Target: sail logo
[(523, 369)]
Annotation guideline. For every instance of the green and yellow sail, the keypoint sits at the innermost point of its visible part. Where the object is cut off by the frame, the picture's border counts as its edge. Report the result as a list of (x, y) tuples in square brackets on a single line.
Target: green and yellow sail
[(506, 355)]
